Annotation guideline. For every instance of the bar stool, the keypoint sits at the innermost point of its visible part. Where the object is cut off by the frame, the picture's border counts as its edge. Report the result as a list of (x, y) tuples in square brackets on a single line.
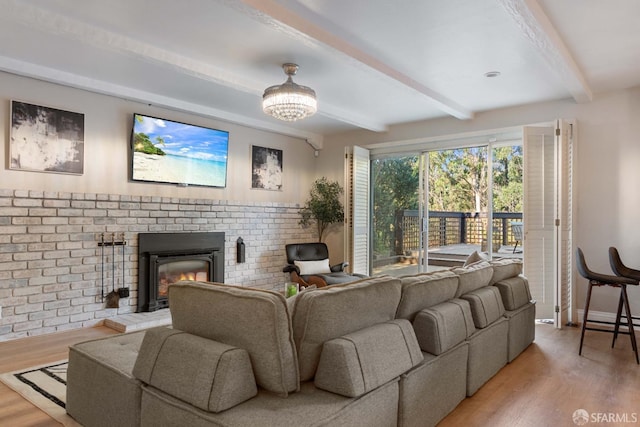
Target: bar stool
[(597, 279), (620, 269)]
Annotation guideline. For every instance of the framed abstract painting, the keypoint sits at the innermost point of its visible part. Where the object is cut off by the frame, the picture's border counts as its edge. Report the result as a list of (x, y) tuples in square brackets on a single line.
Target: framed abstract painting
[(266, 168), (45, 139)]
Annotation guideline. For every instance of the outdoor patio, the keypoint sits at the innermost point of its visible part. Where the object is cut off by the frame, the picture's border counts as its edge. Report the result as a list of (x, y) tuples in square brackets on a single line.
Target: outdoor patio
[(441, 258)]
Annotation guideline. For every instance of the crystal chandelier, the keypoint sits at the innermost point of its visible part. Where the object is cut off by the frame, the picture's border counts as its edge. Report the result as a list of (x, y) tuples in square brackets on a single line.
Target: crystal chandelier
[(289, 101)]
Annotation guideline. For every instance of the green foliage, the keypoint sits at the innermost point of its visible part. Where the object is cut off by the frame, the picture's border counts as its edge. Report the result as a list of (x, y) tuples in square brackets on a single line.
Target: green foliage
[(507, 179), (457, 181), (142, 144), (395, 189), (324, 206)]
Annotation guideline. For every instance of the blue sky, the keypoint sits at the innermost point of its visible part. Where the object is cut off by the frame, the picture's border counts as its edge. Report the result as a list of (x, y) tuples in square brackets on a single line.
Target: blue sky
[(185, 140)]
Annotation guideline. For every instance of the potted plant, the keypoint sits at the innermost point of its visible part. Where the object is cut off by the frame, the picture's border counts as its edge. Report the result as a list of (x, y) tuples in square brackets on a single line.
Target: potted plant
[(324, 206)]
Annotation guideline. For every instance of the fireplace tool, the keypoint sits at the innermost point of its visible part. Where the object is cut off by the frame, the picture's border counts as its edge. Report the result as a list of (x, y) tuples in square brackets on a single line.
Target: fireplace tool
[(113, 299), (101, 244), (123, 291)]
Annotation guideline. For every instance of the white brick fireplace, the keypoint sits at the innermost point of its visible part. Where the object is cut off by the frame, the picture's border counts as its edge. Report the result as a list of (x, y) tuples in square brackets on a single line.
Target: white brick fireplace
[(50, 262)]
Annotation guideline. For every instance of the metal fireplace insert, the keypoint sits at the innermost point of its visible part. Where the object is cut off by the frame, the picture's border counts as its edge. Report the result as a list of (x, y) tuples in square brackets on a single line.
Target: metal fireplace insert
[(167, 258)]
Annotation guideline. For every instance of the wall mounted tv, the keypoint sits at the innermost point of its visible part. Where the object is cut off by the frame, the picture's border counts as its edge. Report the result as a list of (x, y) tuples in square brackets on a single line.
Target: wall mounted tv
[(178, 153)]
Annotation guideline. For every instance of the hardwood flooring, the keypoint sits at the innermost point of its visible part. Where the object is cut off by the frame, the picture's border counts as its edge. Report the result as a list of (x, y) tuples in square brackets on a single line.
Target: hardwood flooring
[(548, 382), (23, 353), (542, 387)]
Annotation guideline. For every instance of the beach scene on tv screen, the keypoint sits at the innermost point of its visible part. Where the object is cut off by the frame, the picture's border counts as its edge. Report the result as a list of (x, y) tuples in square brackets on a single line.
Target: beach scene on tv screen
[(172, 152)]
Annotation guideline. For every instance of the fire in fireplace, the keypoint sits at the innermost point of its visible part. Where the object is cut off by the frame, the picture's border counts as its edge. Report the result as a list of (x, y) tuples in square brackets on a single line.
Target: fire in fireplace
[(167, 258)]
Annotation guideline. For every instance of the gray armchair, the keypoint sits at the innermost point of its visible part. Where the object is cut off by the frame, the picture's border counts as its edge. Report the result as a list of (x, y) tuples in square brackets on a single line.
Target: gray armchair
[(308, 264)]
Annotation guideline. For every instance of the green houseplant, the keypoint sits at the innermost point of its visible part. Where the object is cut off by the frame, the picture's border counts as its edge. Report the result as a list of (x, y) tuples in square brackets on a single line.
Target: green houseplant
[(323, 206)]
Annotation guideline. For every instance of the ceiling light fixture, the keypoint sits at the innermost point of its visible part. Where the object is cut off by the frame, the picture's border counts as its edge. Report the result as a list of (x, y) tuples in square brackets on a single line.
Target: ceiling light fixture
[(492, 74), (289, 101)]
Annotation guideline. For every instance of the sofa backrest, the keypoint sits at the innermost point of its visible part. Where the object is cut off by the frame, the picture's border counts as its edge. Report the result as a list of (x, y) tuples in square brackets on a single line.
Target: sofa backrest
[(251, 319), (327, 313), (486, 305), (424, 290), (514, 291), (443, 326), (505, 268), (472, 277)]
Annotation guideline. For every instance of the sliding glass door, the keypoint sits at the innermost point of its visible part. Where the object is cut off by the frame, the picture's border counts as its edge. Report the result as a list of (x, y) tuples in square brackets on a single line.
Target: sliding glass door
[(458, 212), (396, 215), (431, 210), (510, 197)]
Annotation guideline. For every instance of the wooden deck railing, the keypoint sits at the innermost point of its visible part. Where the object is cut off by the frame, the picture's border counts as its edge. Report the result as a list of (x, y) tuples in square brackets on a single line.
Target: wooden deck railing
[(450, 228)]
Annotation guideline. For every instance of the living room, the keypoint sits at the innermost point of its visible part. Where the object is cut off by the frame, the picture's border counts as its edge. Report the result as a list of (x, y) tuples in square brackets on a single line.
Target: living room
[(53, 285)]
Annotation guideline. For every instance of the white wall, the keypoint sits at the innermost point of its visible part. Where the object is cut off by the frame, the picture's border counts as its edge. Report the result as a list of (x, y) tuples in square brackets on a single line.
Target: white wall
[(608, 175), (108, 124)]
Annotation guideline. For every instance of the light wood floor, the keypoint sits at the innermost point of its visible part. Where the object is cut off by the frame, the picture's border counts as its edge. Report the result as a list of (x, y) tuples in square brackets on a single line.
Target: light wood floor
[(23, 353), (542, 387)]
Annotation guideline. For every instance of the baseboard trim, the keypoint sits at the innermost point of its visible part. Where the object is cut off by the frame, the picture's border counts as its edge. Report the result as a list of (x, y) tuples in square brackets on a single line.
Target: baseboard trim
[(601, 316)]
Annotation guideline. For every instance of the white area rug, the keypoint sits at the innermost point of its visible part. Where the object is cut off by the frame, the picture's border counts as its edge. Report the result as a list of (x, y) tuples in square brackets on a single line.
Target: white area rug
[(44, 386)]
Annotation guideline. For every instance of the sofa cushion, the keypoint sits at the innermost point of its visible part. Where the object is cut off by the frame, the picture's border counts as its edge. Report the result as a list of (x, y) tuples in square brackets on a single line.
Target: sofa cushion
[(331, 312), (204, 373), (514, 291), (100, 371), (255, 320), (475, 257), (505, 268), (425, 290), (443, 326), (486, 305), (473, 277), (357, 363)]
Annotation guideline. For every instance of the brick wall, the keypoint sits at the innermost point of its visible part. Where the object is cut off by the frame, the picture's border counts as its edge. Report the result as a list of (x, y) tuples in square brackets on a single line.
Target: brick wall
[(51, 264)]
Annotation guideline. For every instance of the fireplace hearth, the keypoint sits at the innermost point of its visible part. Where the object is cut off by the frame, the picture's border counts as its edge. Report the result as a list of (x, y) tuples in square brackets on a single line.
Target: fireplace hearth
[(166, 258)]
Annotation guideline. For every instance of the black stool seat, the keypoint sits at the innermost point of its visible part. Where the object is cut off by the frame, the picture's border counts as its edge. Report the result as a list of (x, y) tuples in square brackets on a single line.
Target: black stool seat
[(597, 279)]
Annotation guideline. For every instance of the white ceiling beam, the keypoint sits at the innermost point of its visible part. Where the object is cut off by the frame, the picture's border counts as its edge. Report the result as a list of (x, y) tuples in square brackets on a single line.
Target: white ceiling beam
[(98, 86), (57, 24), (41, 19), (536, 26), (314, 30)]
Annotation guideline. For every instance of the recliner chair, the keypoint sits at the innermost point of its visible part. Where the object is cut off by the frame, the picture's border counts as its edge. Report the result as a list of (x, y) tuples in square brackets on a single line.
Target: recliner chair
[(308, 264)]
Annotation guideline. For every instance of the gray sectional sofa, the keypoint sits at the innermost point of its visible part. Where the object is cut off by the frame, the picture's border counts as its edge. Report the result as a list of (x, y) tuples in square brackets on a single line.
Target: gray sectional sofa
[(381, 351)]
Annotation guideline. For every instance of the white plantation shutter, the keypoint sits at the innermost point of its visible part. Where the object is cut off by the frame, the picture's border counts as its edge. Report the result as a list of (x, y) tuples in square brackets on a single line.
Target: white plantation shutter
[(548, 212), (564, 142), (358, 212), (539, 217)]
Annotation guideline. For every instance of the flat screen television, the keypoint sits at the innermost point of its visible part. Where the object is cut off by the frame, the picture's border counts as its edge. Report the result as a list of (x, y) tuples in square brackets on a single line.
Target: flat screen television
[(178, 153)]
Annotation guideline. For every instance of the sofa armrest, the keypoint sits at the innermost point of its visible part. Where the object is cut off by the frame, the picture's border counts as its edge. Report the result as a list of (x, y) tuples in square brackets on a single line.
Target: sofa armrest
[(207, 374), (358, 363)]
